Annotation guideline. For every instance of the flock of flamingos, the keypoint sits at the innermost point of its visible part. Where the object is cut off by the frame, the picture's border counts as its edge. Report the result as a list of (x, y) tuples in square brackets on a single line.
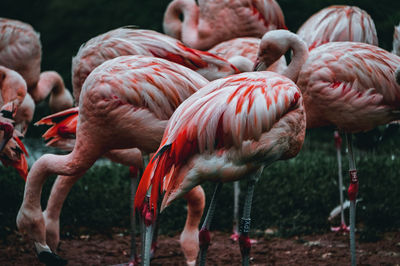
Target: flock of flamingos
[(212, 99)]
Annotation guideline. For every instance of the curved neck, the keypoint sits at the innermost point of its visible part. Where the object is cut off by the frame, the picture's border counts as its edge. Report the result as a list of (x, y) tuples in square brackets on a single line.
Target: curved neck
[(275, 44), (172, 19), (299, 57), (49, 82), (187, 29)]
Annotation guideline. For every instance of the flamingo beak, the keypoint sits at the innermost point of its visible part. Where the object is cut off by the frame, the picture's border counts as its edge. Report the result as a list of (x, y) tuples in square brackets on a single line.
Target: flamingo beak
[(259, 66), (8, 129)]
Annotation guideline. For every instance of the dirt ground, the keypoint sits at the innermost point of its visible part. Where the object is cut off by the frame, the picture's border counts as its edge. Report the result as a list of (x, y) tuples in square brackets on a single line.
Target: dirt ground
[(327, 249)]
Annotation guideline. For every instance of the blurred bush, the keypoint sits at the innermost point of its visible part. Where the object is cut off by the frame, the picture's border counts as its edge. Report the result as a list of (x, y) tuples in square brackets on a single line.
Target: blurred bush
[(294, 197)]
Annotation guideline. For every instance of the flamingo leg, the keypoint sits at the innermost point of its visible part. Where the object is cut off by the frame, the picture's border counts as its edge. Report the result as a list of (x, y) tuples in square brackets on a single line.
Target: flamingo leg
[(236, 193), (147, 232), (204, 234), (134, 182), (352, 194), (244, 239), (338, 143)]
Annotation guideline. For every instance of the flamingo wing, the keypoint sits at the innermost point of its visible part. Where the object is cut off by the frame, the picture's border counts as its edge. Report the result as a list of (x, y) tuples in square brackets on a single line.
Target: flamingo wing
[(221, 115), (338, 23), (352, 79)]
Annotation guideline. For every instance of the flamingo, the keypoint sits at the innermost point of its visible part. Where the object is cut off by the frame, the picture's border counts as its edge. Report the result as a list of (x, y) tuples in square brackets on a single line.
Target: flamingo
[(229, 129), (21, 50), (333, 24), (396, 40), (13, 153), (13, 91), (125, 41), (212, 22), (136, 95), (350, 85), (242, 52)]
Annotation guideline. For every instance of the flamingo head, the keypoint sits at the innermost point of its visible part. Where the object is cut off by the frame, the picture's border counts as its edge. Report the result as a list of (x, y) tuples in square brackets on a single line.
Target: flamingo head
[(7, 127)]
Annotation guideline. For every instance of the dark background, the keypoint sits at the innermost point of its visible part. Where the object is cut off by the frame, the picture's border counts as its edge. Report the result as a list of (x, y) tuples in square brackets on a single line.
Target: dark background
[(65, 25)]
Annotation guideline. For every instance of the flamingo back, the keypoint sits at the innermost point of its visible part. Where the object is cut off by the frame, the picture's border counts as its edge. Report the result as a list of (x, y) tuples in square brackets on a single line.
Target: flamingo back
[(356, 80), (222, 117), (149, 82), (338, 23), (129, 41), (20, 49)]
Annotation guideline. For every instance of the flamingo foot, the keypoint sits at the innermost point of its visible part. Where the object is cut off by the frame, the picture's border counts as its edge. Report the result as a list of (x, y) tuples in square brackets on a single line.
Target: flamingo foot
[(46, 256), (342, 228), (235, 237)]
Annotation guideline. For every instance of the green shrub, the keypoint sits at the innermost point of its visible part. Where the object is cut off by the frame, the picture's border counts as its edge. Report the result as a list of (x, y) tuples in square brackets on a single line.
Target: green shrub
[(294, 196)]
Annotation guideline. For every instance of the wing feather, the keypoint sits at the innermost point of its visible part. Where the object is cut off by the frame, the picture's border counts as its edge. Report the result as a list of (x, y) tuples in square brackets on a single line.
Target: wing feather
[(196, 124)]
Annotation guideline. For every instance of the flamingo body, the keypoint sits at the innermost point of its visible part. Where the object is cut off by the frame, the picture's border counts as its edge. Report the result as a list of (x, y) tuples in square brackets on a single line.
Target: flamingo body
[(350, 85), (129, 41), (212, 22), (224, 132), (338, 23), (20, 49), (125, 104)]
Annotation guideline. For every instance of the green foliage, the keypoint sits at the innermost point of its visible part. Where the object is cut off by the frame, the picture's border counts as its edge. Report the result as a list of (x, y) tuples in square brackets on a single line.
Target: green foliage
[(294, 196)]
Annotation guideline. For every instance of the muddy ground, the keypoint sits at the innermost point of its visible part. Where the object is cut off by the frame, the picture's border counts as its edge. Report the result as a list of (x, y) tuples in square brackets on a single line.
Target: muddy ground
[(326, 249)]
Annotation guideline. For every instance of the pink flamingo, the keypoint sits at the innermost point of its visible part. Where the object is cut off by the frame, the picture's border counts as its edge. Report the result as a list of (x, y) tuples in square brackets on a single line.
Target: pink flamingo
[(21, 50), (127, 41), (333, 24), (13, 92), (14, 152), (136, 95), (212, 22), (347, 84), (242, 52), (396, 40), (229, 129)]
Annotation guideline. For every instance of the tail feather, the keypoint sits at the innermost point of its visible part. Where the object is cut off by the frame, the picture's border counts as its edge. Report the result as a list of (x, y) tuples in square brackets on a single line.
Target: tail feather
[(57, 117), (153, 175), (63, 126)]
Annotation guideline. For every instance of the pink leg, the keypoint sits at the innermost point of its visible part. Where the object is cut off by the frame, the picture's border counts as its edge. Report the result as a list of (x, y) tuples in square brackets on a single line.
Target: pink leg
[(58, 194), (338, 144), (204, 234), (352, 193), (236, 193), (189, 239)]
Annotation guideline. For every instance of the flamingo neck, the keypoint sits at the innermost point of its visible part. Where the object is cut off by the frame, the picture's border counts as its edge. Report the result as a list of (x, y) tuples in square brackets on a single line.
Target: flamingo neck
[(299, 57), (49, 82), (72, 164), (173, 25)]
